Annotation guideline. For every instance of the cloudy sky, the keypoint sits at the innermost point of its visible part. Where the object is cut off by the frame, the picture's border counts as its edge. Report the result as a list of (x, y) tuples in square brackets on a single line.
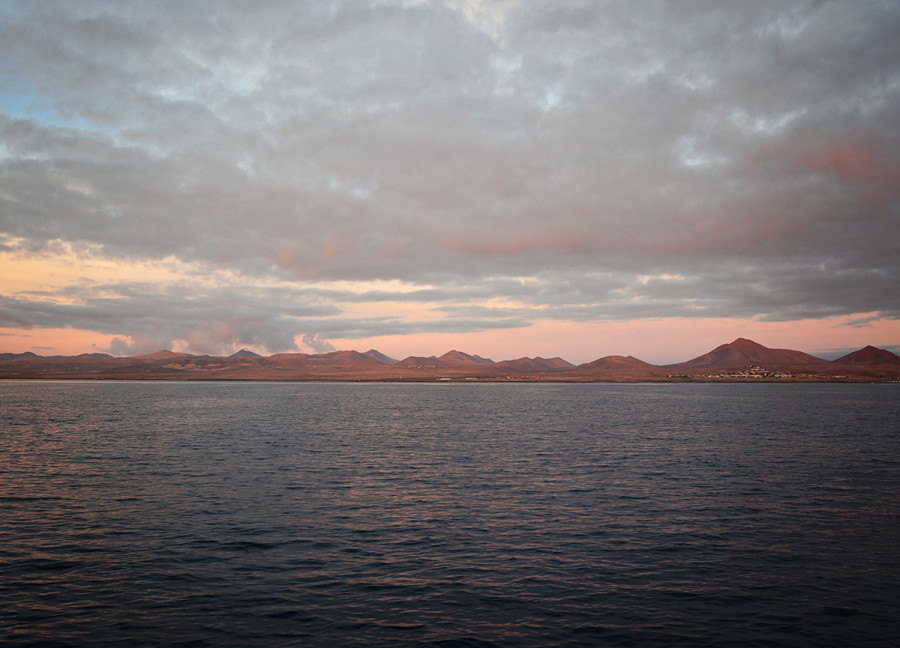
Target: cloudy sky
[(502, 177)]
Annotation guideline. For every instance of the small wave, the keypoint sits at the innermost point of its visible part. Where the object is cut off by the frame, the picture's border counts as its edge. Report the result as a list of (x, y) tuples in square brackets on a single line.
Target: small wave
[(246, 545), (44, 565), (839, 611), (402, 627)]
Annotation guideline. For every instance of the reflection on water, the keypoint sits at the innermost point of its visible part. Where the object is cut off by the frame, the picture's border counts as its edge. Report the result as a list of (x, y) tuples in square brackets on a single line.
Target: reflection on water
[(475, 515)]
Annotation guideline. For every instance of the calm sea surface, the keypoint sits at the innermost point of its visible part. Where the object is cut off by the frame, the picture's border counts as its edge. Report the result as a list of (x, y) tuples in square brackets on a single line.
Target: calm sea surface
[(278, 514)]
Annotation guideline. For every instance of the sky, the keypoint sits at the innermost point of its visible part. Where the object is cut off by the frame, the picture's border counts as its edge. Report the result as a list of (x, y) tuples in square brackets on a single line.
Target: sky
[(506, 178)]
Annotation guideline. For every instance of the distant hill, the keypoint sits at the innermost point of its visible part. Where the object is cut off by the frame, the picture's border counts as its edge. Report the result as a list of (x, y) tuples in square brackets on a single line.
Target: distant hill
[(378, 356), (418, 361), (450, 360), (332, 360), (460, 359), (244, 353), (869, 355), (80, 356), (534, 365), (165, 354), (743, 352), (343, 358), (617, 363), (28, 355)]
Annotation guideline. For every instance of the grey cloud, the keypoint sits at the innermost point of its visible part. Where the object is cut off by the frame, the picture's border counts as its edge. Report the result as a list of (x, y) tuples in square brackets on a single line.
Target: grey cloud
[(356, 328), (318, 345), (751, 149), (211, 321)]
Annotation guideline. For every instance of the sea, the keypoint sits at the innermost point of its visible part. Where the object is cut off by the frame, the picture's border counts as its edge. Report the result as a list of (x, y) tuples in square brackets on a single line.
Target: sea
[(250, 514)]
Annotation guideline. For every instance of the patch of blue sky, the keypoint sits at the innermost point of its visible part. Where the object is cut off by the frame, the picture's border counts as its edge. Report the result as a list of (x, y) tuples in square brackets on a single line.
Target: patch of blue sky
[(32, 106)]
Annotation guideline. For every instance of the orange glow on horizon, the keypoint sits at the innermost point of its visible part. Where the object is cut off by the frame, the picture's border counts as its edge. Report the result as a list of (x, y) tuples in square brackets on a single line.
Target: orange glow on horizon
[(658, 341), (61, 341)]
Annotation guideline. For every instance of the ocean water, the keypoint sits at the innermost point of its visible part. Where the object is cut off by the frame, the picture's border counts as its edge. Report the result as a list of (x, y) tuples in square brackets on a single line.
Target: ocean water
[(280, 514)]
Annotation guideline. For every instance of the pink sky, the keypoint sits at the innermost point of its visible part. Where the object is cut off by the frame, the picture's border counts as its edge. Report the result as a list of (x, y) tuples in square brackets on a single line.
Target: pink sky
[(658, 341)]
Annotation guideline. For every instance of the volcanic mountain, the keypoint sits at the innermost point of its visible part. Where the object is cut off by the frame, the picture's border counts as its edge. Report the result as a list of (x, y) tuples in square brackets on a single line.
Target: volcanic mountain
[(81, 356), (378, 356), (869, 355), (165, 354), (334, 359), (450, 360), (244, 353), (617, 363), (534, 365), (743, 352), (28, 355)]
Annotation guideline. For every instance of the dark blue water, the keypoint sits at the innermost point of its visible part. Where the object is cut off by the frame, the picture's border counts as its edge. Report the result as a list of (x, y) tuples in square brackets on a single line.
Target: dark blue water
[(258, 514)]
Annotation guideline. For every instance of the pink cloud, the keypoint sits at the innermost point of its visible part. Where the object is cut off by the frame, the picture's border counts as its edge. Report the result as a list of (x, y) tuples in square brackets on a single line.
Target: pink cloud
[(852, 162), (513, 245)]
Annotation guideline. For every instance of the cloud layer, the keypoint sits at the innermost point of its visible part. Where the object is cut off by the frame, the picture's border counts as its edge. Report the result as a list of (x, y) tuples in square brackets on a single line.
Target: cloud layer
[(353, 169)]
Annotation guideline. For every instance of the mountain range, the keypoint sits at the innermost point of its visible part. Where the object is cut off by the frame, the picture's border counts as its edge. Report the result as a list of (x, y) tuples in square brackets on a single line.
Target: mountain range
[(741, 359)]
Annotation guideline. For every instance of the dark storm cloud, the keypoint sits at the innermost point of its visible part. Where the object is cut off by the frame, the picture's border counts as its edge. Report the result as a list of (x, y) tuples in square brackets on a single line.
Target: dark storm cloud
[(749, 150)]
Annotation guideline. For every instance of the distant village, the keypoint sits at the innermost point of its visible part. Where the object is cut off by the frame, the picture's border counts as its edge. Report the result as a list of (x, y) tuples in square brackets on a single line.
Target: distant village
[(746, 372), (759, 373)]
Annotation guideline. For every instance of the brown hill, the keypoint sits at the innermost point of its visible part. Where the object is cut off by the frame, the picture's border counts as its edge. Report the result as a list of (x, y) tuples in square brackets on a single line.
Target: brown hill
[(165, 354), (378, 356), (244, 353), (342, 358), (418, 361), (450, 360), (81, 356), (11, 357), (286, 358), (460, 359), (336, 365), (743, 352), (869, 355), (534, 365), (617, 363), (336, 359)]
